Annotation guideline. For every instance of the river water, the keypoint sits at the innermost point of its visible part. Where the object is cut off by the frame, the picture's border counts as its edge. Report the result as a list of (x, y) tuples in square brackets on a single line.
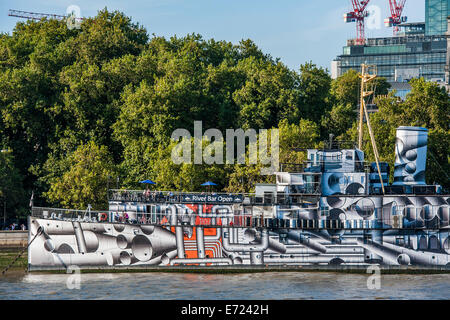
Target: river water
[(188, 286)]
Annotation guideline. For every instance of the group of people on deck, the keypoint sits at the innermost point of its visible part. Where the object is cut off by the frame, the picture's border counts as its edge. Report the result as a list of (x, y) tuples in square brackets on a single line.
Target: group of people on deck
[(125, 218), (121, 218)]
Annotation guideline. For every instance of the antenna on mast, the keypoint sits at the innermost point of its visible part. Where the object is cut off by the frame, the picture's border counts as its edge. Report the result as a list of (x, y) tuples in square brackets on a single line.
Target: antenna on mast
[(368, 74)]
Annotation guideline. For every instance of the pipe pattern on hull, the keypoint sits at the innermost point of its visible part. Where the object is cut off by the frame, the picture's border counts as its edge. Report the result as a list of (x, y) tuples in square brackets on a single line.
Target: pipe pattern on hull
[(176, 243)]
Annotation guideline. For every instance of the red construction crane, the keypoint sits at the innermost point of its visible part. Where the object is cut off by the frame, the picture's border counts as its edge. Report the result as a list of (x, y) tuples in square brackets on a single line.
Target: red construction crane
[(396, 15), (358, 15)]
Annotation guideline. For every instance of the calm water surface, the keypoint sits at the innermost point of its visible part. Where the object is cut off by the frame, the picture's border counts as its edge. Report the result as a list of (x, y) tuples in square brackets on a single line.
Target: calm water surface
[(274, 285)]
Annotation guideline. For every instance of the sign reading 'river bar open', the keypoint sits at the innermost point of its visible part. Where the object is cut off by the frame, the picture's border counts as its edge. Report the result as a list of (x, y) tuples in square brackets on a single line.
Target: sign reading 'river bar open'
[(218, 198)]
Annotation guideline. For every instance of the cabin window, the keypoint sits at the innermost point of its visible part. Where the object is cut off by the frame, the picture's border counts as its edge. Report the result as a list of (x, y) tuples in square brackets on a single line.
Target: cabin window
[(367, 238), (333, 179), (400, 241), (324, 211)]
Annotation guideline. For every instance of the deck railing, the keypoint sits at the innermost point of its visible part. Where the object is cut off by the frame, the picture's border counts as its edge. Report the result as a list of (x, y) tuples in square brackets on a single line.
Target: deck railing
[(174, 196), (236, 219), (144, 196)]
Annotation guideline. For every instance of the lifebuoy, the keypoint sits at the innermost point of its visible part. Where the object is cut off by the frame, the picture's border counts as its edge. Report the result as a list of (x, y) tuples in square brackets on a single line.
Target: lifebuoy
[(103, 216)]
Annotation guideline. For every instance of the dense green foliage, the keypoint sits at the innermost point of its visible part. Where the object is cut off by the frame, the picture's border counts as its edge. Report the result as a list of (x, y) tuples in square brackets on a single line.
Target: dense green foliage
[(11, 189), (82, 177), (81, 107)]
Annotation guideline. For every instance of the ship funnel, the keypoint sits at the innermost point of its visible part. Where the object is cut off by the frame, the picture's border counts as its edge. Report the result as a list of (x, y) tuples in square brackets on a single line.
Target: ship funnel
[(410, 156)]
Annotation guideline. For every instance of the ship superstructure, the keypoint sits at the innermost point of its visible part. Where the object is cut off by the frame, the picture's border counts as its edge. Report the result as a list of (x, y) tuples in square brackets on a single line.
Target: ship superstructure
[(335, 210)]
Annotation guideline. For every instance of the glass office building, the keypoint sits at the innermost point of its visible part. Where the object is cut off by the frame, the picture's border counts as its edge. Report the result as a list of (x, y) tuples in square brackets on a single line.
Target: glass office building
[(409, 55), (436, 12)]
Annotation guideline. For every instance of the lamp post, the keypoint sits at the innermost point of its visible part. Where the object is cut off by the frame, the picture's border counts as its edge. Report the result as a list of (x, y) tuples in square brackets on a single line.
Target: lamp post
[(242, 186), (107, 187)]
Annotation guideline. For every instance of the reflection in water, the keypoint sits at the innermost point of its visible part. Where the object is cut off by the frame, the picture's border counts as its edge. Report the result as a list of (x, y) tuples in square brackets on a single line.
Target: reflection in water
[(272, 285)]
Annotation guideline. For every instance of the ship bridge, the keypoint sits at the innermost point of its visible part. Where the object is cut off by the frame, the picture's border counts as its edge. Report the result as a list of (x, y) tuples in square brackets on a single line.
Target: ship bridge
[(327, 172)]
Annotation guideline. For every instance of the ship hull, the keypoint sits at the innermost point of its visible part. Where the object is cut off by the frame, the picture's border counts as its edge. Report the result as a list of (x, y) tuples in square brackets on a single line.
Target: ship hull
[(352, 238)]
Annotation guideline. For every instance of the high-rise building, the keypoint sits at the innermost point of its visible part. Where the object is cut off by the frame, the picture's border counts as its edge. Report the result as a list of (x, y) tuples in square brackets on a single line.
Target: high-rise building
[(436, 12), (447, 65), (418, 50)]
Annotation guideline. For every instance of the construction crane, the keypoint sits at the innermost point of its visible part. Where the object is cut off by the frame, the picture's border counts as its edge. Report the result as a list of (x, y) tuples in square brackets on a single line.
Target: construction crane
[(358, 15), (396, 15), (38, 16)]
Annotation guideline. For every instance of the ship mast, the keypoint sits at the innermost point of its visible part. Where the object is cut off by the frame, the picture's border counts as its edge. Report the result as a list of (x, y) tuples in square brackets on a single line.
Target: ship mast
[(368, 74)]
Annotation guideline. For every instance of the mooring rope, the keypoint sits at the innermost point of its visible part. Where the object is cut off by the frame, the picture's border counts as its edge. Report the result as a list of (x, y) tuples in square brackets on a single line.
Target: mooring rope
[(39, 232)]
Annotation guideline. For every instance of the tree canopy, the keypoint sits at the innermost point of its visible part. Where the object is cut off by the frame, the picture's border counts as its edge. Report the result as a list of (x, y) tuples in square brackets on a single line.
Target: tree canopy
[(11, 189)]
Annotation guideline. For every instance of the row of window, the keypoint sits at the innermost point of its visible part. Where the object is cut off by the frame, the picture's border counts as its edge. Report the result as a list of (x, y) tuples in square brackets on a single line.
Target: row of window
[(389, 72), (394, 59)]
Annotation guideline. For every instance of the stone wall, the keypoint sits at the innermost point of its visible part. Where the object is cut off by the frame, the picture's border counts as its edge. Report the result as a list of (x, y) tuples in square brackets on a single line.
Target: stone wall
[(13, 238)]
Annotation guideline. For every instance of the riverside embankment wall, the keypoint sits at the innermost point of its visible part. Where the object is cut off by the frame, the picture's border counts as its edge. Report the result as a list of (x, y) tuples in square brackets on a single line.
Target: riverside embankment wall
[(13, 238)]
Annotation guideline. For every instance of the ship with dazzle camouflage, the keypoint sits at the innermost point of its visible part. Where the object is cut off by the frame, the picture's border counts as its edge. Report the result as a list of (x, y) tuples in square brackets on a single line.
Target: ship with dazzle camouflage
[(338, 211)]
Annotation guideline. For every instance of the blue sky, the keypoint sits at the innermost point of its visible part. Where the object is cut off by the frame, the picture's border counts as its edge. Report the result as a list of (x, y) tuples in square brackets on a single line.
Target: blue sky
[(294, 31)]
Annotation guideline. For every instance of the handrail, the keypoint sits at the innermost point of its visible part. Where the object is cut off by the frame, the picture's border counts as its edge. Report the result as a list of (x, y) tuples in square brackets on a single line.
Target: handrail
[(179, 192), (213, 198), (238, 219)]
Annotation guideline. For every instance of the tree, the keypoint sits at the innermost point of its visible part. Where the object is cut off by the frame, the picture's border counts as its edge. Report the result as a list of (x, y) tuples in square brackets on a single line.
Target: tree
[(107, 36), (242, 178), (220, 84), (11, 188), (269, 94), (58, 87), (84, 178), (339, 119), (304, 135), (345, 89), (438, 157), (186, 176), (314, 86), (427, 105)]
